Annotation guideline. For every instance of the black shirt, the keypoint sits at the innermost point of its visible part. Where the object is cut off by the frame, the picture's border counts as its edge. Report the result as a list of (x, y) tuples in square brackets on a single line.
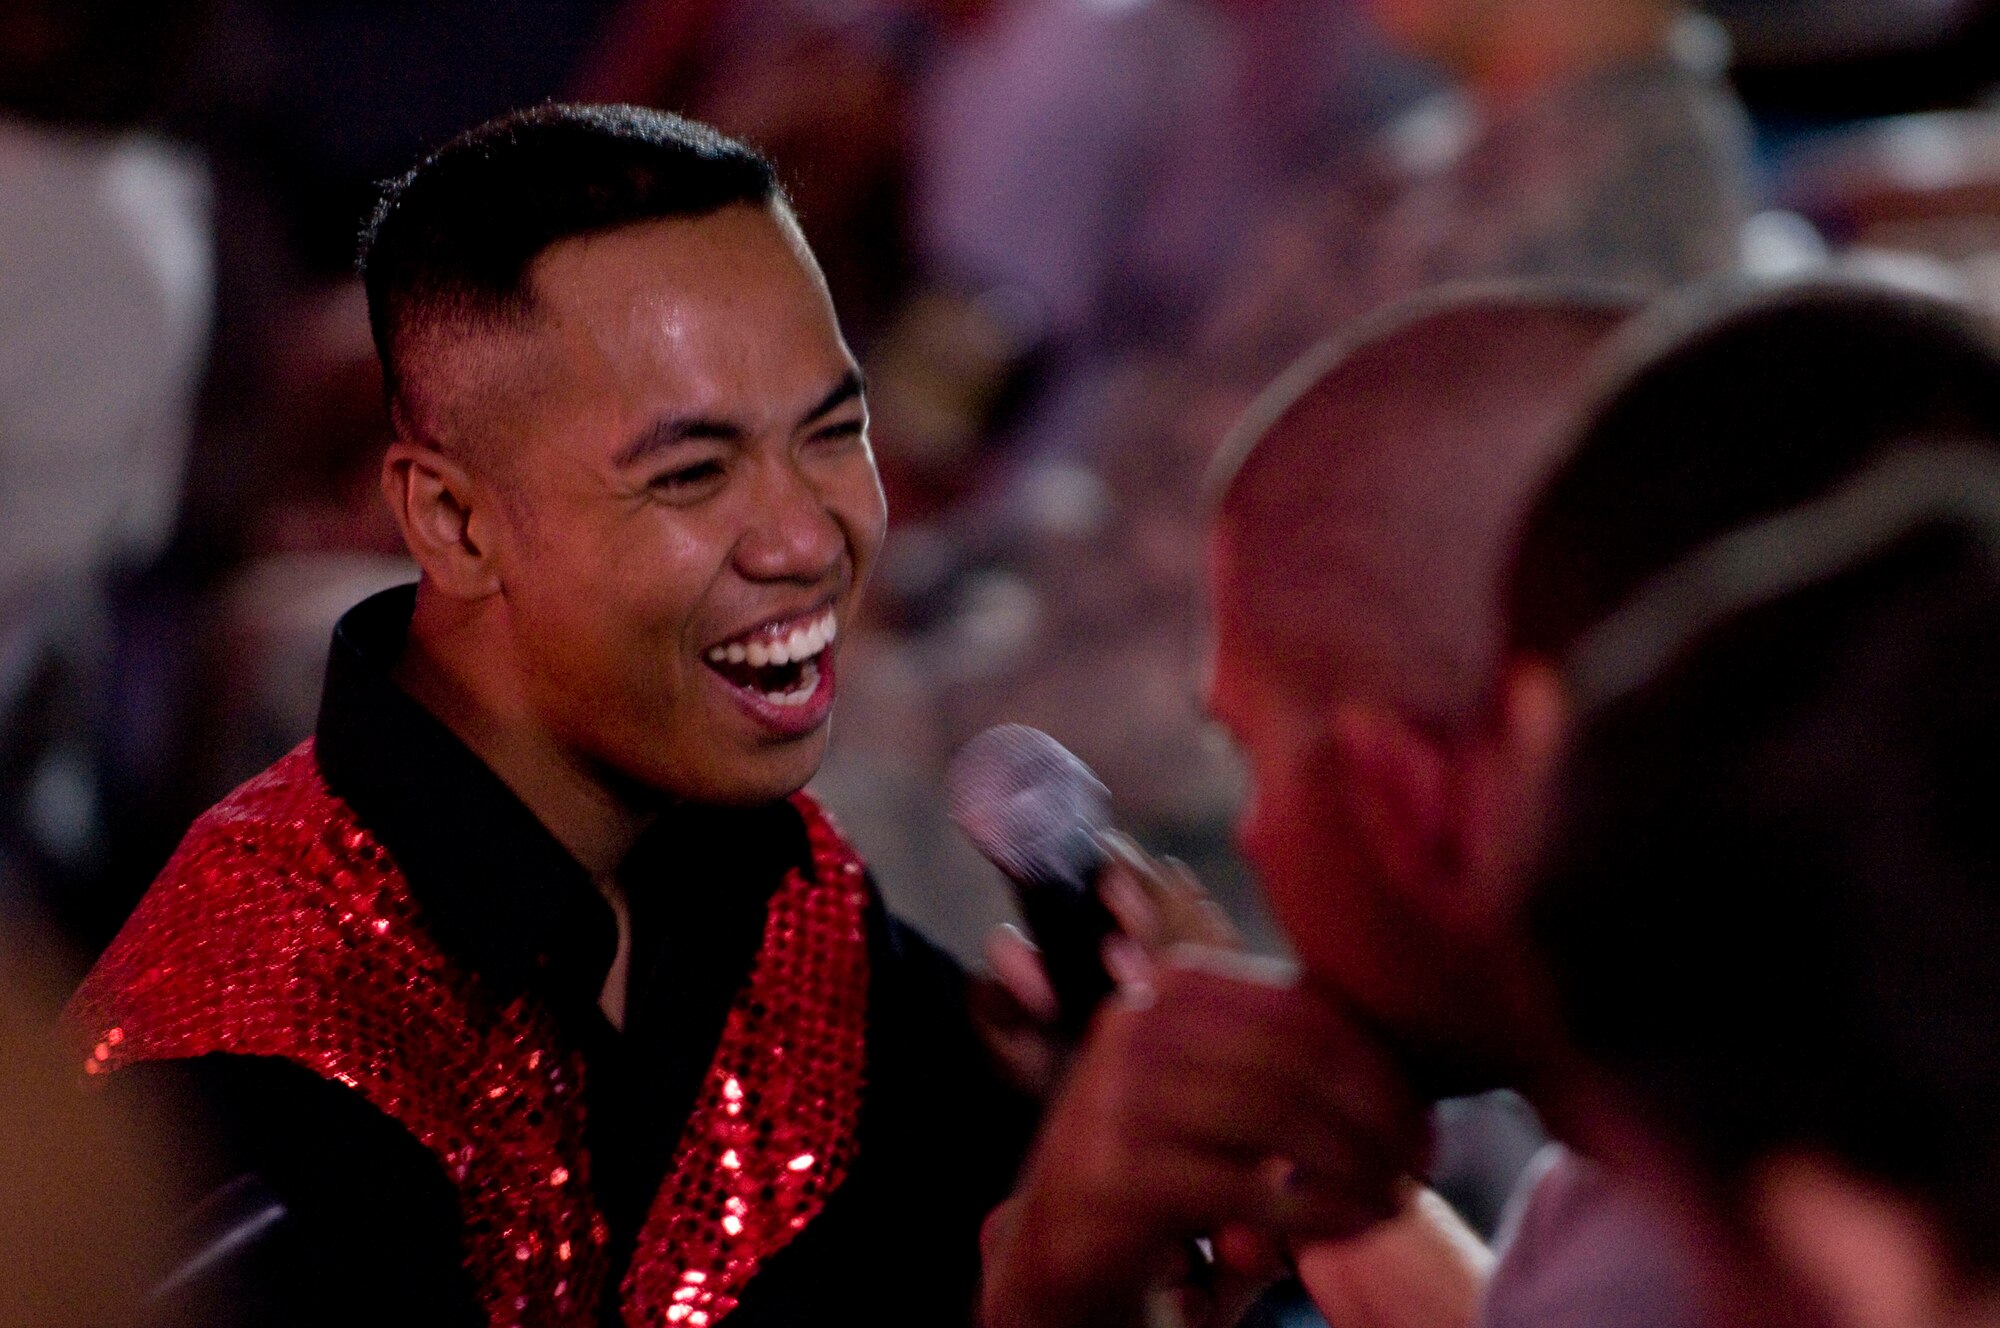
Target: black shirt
[(309, 1206)]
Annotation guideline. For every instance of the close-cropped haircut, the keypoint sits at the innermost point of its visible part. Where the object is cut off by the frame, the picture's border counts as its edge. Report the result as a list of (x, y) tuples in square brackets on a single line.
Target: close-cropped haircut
[(1770, 897), (1733, 401), (1376, 486), (451, 242)]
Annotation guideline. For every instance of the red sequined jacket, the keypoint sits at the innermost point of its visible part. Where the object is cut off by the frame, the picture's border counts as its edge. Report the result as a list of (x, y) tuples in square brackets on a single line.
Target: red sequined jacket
[(282, 928)]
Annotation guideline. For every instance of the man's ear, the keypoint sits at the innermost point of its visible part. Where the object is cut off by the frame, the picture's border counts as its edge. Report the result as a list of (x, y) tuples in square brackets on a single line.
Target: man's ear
[(1874, 1254), (1397, 779), (1507, 783), (445, 519)]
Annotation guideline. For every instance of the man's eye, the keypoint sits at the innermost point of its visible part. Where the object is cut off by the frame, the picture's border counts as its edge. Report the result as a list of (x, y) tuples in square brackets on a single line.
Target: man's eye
[(841, 432), (689, 477)]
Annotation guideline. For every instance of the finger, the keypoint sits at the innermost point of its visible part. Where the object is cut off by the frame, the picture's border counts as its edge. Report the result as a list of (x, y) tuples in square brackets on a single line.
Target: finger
[(1131, 905), (1126, 887), (1188, 912), (1130, 967), (1017, 966), (1018, 1043)]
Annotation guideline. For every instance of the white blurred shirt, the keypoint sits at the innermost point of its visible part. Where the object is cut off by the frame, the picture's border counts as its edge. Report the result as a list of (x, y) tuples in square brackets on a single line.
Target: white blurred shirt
[(1579, 1250), (106, 292)]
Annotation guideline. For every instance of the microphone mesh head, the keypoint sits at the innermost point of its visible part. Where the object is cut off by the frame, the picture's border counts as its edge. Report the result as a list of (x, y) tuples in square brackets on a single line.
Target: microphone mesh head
[(1027, 803)]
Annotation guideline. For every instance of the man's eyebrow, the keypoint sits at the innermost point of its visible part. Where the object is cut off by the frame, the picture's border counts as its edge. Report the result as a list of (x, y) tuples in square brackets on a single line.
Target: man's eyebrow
[(664, 433), (851, 387)]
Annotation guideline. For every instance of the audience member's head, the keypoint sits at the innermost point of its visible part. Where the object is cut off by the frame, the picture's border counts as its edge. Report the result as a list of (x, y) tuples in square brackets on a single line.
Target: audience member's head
[(1362, 526), (1723, 405), (1770, 898), (1728, 404)]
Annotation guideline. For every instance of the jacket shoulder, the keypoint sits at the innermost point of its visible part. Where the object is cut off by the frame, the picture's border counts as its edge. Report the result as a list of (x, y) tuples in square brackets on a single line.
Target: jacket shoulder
[(270, 893)]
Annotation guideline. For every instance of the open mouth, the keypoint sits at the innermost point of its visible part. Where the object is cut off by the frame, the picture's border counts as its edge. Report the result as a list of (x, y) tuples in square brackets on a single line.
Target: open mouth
[(779, 662)]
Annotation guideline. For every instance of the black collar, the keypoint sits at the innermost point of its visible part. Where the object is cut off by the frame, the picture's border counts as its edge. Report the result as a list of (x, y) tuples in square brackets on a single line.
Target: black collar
[(502, 893), (496, 887)]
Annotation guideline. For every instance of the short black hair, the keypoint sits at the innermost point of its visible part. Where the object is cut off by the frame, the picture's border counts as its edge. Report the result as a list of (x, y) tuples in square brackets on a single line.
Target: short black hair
[(454, 237), (1770, 902), (1736, 401)]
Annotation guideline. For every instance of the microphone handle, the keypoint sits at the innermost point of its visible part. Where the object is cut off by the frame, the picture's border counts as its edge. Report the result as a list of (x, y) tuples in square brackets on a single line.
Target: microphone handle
[(1068, 922)]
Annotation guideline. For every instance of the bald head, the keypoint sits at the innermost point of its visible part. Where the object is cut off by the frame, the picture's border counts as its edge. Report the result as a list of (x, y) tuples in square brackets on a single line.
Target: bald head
[(1370, 497)]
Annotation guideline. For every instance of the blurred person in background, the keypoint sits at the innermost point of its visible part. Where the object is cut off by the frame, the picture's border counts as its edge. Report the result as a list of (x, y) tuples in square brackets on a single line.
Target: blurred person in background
[(1770, 896), (1100, 161), (1367, 515), (824, 86), (1585, 140), (532, 989), (105, 299)]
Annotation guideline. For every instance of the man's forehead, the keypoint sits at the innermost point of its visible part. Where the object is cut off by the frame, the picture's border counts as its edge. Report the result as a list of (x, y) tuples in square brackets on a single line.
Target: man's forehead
[(710, 306), (700, 255)]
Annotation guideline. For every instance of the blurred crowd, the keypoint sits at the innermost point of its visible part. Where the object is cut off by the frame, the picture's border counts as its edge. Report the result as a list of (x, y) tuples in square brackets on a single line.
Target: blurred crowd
[(1069, 239)]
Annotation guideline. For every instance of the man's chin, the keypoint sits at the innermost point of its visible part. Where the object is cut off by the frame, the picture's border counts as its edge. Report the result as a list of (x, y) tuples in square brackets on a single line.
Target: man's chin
[(752, 778)]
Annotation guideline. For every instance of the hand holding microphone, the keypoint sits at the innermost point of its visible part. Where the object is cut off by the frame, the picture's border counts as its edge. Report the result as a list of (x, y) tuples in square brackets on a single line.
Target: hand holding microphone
[(1094, 903), (1223, 1099)]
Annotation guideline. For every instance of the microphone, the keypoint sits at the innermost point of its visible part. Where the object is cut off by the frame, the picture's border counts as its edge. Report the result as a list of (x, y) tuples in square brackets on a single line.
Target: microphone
[(1035, 811)]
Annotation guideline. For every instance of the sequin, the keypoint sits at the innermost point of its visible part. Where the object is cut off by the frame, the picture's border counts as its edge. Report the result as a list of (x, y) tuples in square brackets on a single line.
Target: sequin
[(785, 1084), (281, 927)]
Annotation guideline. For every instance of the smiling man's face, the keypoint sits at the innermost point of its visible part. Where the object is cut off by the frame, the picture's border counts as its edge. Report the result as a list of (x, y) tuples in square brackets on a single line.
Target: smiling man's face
[(691, 507)]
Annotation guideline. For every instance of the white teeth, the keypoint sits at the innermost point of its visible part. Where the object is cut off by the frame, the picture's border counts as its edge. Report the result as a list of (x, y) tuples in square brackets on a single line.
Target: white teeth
[(797, 646)]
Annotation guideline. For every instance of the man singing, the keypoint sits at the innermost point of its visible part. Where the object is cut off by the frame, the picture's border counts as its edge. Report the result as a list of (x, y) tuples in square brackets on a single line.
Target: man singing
[(532, 990)]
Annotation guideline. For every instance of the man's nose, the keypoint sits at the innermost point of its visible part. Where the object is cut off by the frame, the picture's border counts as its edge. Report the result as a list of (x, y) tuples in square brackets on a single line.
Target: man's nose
[(792, 534)]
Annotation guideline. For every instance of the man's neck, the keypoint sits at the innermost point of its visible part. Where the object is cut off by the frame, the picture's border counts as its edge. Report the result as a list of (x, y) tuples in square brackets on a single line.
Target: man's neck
[(595, 822)]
